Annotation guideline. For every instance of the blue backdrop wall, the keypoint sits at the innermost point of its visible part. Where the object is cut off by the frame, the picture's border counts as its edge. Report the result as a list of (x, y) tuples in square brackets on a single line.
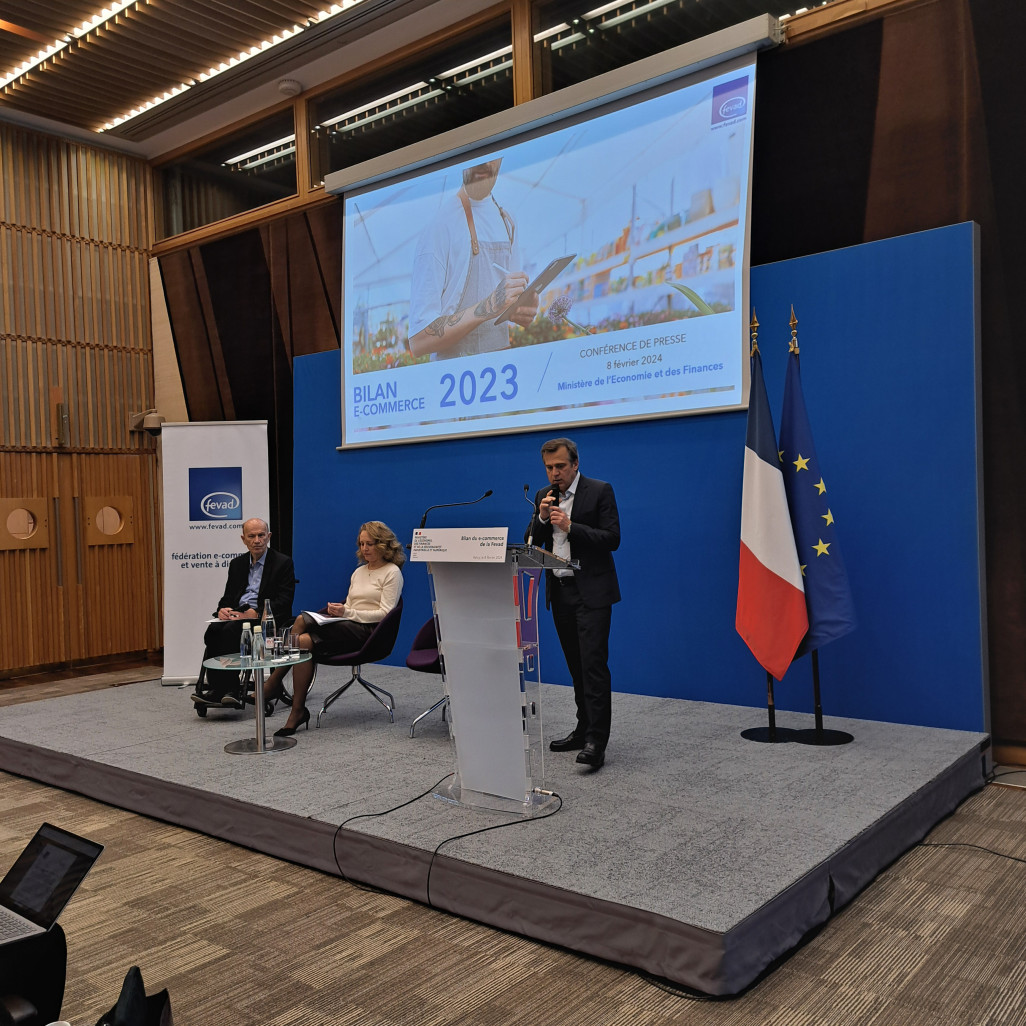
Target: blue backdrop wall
[(889, 348)]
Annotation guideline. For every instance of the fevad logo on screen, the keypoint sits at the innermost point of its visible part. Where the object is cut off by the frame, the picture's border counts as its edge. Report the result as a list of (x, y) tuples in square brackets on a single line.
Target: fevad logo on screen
[(730, 100), (215, 493)]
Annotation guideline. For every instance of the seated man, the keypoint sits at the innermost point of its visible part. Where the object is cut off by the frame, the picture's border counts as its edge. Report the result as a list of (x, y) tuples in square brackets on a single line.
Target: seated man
[(253, 577)]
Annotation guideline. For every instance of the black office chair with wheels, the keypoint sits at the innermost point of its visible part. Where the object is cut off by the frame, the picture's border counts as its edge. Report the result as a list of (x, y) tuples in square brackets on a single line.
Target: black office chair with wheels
[(378, 646), (425, 658)]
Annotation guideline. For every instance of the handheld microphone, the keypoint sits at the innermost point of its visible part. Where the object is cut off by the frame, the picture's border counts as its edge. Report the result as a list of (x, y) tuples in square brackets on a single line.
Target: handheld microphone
[(554, 490), (444, 505)]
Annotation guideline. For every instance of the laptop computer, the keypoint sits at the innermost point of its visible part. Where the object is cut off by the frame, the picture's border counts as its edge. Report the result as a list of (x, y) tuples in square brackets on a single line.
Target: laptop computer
[(42, 880)]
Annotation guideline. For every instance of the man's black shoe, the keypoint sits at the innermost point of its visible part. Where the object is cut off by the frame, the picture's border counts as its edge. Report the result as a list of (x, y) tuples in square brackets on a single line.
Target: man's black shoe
[(204, 698), (231, 701), (592, 755), (573, 742)]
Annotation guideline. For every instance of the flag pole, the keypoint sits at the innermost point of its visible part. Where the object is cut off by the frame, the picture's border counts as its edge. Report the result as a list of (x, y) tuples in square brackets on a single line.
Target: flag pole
[(816, 736), (817, 700), (768, 734)]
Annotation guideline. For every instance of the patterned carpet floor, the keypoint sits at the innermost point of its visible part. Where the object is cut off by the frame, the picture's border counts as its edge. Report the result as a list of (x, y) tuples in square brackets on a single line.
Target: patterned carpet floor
[(241, 938)]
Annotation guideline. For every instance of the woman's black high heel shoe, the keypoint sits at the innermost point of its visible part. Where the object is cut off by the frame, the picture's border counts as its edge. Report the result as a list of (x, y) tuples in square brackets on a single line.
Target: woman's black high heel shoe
[(289, 731)]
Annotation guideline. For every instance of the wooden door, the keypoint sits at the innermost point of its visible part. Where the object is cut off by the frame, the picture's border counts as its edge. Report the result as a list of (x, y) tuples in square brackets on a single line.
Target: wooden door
[(80, 575)]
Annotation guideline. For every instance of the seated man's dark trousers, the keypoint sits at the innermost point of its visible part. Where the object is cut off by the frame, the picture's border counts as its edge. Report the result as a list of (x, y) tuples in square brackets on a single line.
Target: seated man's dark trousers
[(222, 638)]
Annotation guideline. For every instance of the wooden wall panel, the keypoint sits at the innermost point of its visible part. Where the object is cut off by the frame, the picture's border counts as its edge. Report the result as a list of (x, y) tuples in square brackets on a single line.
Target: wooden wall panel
[(31, 611), (76, 225), (116, 596)]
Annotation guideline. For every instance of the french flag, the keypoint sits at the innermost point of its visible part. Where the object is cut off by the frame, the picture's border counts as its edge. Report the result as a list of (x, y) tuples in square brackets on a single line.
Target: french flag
[(771, 614)]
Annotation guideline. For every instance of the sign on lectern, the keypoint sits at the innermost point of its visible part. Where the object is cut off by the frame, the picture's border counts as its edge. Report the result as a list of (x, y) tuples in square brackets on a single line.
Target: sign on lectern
[(485, 599)]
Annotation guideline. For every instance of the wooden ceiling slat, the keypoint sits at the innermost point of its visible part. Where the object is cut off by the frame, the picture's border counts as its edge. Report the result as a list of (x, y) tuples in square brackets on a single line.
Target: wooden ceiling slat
[(252, 22), (145, 51), (57, 93), (140, 53), (164, 58), (205, 35)]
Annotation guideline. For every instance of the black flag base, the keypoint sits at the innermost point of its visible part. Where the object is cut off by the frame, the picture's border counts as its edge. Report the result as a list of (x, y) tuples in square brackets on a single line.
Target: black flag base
[(819, 736), (772, 735)]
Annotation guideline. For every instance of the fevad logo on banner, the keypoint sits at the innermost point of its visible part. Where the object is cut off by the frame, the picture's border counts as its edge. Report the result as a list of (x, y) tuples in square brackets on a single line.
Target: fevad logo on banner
[(215, 479), (215, 493)]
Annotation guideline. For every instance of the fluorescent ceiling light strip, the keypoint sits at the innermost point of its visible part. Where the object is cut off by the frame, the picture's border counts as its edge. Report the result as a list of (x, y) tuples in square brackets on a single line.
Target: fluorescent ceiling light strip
[(264, 160), (566, 42), (477, 62), (555, 30), (263, 148), (429, 95), (33, 62), (602, 10), (98, 19), (631, 15), (225, 65), (374, 103), (494, 70)]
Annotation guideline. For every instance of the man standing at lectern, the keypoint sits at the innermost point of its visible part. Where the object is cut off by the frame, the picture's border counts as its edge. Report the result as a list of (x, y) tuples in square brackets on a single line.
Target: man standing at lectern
[(576, 517)]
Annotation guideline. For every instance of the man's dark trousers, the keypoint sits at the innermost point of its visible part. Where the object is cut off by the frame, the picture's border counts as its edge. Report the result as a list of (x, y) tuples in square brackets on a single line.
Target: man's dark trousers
[(584, 636)]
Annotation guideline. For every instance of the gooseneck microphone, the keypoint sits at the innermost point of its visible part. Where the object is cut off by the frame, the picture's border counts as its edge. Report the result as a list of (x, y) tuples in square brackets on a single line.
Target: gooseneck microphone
[(534, 516), (445, 505)]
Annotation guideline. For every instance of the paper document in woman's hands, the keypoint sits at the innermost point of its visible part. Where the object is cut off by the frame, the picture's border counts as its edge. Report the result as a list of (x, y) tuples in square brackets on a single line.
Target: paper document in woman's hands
[(320, 617)]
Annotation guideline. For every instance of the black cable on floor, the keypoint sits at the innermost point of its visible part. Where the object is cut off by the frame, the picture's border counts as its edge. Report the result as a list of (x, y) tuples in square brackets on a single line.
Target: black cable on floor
[(483, 830), (372, 815), (965, 844)]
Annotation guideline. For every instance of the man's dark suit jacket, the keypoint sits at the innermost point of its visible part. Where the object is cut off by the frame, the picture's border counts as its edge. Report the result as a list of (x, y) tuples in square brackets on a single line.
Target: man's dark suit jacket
[(594, 536), (278, 584)]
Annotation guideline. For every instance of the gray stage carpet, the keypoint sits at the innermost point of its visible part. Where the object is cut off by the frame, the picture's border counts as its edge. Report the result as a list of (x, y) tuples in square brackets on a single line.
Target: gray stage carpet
[(694, 854)]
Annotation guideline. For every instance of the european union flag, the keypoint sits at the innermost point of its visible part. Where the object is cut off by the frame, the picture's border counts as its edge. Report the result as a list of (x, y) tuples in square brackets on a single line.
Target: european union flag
[(827, 591)]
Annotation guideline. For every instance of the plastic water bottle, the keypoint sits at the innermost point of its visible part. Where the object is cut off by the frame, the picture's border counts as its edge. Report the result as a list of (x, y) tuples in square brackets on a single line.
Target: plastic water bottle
[(268, 624), (258, 644), (246, 647)]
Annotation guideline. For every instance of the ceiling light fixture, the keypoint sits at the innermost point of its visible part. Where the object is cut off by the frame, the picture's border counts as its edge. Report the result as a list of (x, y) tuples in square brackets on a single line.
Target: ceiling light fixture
[(82, 33), (60, 44), (225, 65), (263, 148)]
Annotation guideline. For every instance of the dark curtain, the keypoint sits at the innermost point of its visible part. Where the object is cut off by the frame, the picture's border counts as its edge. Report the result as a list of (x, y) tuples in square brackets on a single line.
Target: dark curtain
[(241, 308)]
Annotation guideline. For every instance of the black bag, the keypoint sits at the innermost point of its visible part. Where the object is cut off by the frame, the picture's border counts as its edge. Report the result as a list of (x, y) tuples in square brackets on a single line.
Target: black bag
[(134, 1008)]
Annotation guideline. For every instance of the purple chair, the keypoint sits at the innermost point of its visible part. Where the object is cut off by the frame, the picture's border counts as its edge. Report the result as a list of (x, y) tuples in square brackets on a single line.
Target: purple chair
[(425, 658), (378, 646)]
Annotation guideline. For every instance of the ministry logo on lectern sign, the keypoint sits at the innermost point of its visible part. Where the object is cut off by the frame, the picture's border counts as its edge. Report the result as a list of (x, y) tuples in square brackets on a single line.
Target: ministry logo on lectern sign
[(215, 493)]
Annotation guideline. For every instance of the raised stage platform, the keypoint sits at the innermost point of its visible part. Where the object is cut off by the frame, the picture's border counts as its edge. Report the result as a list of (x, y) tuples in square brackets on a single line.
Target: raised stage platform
[(693, 855)]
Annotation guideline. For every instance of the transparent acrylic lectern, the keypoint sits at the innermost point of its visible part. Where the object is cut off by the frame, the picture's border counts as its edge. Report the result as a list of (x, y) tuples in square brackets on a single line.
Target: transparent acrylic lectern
[(486, 617)]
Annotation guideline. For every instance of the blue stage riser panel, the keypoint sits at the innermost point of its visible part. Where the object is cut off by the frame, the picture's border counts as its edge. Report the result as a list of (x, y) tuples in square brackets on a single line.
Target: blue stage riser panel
[(889, 352)]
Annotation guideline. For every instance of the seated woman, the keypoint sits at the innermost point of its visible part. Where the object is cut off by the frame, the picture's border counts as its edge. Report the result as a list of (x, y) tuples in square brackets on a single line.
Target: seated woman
[(374, 590)]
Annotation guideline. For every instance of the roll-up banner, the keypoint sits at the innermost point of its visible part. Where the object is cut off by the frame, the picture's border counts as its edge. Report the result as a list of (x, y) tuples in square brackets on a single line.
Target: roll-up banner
[(215, 478)]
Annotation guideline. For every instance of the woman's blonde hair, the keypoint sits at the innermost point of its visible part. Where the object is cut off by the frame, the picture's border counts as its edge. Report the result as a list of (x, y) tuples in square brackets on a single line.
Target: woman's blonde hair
[(384, 540)]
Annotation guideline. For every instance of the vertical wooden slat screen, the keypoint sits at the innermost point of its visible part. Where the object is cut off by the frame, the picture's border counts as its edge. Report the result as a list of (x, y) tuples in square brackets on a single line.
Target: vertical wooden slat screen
[(75, 231), (76, 227)]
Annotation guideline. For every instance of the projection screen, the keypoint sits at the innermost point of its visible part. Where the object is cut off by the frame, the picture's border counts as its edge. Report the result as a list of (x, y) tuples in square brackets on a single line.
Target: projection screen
[(623, 228)]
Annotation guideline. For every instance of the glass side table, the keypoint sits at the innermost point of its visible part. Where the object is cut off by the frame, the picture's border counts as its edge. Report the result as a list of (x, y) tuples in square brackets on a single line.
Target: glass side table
[(261, 744)]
